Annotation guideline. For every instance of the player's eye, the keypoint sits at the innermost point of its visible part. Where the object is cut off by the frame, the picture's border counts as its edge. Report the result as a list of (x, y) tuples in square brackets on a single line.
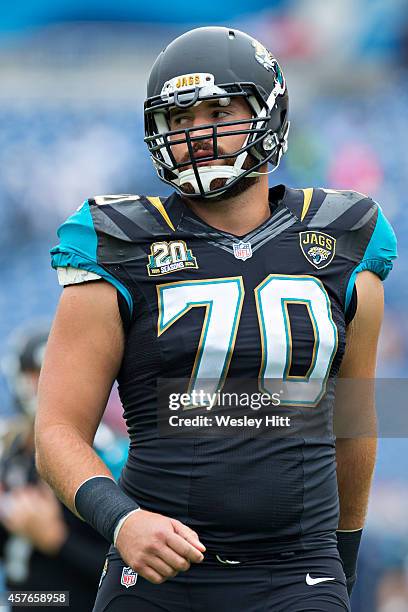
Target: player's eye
[(183, 121), (180, 120), (220, 114)]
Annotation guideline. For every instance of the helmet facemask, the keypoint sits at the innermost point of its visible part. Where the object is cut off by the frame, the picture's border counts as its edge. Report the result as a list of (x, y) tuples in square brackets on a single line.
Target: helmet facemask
[(262, 142)]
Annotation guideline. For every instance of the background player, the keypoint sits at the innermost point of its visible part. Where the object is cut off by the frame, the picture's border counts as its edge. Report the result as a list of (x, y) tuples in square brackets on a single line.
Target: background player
[(43, 546)]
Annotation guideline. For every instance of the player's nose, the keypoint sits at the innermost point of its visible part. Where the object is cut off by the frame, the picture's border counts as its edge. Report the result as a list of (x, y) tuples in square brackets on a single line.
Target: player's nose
[(200, 120), (201, 137)]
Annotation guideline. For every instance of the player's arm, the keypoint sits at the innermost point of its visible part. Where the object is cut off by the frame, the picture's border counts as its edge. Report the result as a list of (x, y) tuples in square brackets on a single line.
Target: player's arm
[(356, 453), (83, 356)]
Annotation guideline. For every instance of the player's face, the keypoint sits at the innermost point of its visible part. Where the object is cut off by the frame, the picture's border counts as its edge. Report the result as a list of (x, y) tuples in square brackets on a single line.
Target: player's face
[(210, 112)]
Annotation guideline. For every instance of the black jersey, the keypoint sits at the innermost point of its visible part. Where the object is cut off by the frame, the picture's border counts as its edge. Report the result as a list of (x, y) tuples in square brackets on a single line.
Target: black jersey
[(207, 305)]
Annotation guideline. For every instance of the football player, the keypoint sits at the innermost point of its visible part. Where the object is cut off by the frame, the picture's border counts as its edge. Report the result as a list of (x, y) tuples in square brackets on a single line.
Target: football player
[(223, 280)]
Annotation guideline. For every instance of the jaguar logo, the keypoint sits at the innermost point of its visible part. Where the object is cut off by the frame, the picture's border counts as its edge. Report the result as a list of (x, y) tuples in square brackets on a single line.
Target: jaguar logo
[(318, 248), (318, 254)]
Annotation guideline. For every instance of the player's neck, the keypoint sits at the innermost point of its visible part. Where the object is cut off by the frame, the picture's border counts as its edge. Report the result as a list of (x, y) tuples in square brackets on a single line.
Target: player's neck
[(239, 215)]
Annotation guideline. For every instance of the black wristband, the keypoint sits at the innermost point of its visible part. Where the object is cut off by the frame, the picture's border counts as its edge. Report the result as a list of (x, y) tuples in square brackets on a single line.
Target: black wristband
[(101, 503), (348, 543)]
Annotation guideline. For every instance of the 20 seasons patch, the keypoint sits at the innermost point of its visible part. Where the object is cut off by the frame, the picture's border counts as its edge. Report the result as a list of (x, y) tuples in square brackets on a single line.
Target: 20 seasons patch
[(318, 248), (166, 257)]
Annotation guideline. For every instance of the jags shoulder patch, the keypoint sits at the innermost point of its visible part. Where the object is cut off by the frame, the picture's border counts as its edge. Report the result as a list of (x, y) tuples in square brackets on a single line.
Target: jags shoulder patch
[(318, 248)]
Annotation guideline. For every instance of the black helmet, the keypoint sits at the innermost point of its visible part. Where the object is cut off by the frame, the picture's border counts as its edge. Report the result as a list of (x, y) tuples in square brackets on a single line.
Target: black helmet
[(216, 63)]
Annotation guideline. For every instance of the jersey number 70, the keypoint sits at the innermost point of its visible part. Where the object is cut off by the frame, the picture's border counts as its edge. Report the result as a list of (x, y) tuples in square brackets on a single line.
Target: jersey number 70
[(223, 298)]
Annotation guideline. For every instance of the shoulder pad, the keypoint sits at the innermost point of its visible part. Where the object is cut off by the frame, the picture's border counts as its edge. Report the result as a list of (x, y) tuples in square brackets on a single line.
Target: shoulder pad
[(362, 232), (361, 227), (79, 248), (339, 210), (370, 241), (109, 229), (127, 217)]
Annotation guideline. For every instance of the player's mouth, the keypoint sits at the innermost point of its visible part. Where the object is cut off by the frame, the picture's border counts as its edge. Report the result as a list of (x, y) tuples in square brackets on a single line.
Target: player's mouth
[(206, 155), (201, 154), (209, 162), (206, 162)]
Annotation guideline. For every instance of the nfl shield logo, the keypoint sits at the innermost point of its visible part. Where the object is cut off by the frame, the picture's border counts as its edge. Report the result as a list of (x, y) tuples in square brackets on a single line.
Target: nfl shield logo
[(129, 577), (242, 250)]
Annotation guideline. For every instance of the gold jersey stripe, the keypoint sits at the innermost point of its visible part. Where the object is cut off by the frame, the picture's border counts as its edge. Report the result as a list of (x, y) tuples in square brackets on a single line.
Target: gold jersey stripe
[(157, 203), (307, 198)]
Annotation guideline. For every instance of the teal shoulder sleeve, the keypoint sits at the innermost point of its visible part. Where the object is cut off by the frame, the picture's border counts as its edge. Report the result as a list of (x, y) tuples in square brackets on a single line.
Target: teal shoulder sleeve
[(78, 248), (380, 252)]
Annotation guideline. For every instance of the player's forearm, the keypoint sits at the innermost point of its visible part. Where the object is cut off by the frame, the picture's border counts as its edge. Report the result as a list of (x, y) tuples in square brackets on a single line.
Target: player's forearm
[(355, 467), (65, 460)]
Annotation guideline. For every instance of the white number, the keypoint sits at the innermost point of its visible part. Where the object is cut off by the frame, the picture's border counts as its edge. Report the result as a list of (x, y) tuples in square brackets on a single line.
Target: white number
[(272, 297), (223, 298)]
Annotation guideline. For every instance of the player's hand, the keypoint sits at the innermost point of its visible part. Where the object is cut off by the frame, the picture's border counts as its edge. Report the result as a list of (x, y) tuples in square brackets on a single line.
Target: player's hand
[(158, 547), (35, 513)]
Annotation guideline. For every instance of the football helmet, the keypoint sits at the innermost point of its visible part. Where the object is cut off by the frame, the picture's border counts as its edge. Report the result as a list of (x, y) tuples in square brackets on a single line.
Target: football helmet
[(216, 63)]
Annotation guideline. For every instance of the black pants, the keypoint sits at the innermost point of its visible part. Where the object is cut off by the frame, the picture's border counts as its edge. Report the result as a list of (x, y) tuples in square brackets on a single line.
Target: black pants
[(280, 584)]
